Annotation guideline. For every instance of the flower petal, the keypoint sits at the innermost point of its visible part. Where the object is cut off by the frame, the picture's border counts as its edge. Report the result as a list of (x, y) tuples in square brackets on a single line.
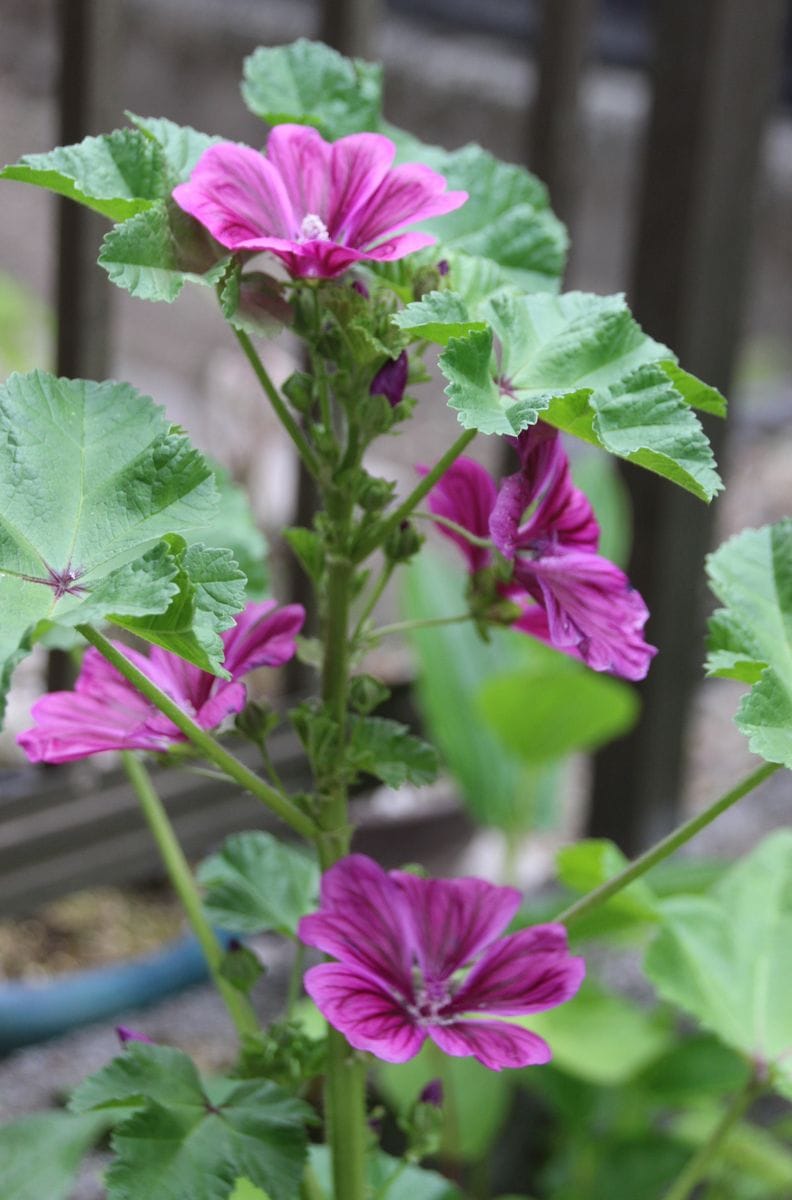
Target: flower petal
[(358, 165), (367, 1015), (262, 636), (592, 609), (454, 919), (363, 921), (465, 495), (526, 972), (409, 193), (73, 725), (495, 1044), (238, 195), (302, 158)]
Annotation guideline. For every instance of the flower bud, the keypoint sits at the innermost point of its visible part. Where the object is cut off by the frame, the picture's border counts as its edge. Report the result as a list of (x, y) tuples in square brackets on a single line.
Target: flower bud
[(391, 379), (403, 543), (125, 1035)]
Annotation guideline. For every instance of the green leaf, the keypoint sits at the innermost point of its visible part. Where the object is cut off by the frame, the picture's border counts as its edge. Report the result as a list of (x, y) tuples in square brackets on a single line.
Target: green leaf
[(387, 750), (496, 786), (181, 145), (751, 639), (253, 302), (601, 1037), (724, 958), (155, 253), (307, 83), (241, 968), (93, 478), (506, 218), (412, 1183), (437, 317), (211, 591), (256, 882), (699, 1066), (244, 1190), (309, 548), (583, 364), (588, 864), (179, 1145), (695, 393), (42, 1153), (543, 715), (118, 174), (748, 1152), (234, 525)]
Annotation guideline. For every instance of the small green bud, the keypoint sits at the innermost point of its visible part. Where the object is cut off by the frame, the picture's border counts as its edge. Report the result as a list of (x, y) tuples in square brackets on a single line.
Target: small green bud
[(366, 693), (256, 722), (375, 494), (403, 543), (298, 390)]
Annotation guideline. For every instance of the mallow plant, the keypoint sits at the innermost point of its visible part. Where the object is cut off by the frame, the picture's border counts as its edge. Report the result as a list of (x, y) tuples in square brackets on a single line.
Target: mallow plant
[(372, 249)]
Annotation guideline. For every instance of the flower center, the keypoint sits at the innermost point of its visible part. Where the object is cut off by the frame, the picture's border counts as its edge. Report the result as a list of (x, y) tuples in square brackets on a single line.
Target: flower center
[(428, 1001), (313, 229)]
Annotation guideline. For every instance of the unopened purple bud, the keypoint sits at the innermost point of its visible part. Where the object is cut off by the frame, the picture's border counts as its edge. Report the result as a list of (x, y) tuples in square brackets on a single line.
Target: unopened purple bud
[(131, 1035), (432, 1093), (360, 288), (391, 380), (443, 267)]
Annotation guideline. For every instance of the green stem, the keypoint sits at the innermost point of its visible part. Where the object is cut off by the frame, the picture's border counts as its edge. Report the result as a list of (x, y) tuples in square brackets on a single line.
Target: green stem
[(374, 595), (180, 875), (447, 523), (286, 419), (667, 846), (310, 1188), (697, 1167), (419, 623), (395, 1174), (217, 754), (380, 532), (295, 979)]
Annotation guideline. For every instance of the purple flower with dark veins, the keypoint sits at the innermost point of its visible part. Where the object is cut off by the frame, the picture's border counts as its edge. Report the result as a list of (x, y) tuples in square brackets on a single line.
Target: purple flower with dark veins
[(105, 712), (423, 958), (570, 596), (320, 207)]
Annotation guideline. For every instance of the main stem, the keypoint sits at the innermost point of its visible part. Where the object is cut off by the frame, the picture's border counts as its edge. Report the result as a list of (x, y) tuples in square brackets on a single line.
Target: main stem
[(180, 875), (665, 847), (217, 754), (345, 1105), (696, 1169), (276, 400)]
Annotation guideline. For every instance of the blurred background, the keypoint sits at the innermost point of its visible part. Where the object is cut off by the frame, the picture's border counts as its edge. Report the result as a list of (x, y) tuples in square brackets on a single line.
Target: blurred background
[(664, 132)]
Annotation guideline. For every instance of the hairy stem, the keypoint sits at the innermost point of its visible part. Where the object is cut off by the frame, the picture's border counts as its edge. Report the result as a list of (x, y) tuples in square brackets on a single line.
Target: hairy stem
[(180, 875), (419, 623), (454, 527), (380, 532), (697, 1167), (284, 416), (281, 805), (373, 597), (667, 846)]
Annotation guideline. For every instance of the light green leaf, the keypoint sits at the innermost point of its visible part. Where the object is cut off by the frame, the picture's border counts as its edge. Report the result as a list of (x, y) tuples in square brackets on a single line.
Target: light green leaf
[(387, 750), (587, 864), (751, 639), (307, 83), (437, 317), (724, 958), (234, 525), (695, 393), (245, 1190), (412, 1183), (506, 218), (211, 591), (181, 145), (601, 1037), (582, 363), (543, 715), (42, 1153), (178, 1145), (475, 279), (118, 174), (155, 253), (257, 883), (747, 1150), (93, 478)]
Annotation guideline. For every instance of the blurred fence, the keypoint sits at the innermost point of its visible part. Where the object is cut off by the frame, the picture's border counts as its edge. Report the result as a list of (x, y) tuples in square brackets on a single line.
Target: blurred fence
[(713, 74)]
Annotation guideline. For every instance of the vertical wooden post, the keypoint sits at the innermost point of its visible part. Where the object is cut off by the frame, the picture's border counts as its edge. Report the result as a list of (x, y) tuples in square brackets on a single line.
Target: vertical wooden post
[(89, 63), (350, 26), (714, 70), (554, 149)]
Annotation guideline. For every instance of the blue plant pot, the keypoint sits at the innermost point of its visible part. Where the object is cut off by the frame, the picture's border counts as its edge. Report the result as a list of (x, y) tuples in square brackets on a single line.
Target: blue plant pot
[(33, 1012)]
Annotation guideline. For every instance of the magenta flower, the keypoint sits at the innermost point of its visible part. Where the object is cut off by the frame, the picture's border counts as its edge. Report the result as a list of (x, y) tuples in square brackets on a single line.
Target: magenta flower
[(319, 207), (570, 596), (402, 943), (105, 712)]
